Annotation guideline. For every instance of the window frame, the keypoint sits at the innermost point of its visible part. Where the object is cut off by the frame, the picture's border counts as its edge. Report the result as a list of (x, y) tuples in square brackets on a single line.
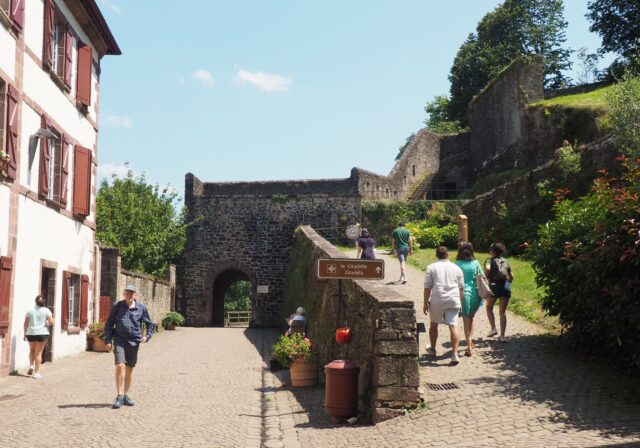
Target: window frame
[(55, 167)]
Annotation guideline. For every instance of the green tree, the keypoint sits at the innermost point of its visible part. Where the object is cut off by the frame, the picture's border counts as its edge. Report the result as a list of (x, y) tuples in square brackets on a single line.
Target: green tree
[(438, 119), (515, 28), (623, 101), (141, 221), (587, 71), (618, 24), (238, 296), (407, 142)]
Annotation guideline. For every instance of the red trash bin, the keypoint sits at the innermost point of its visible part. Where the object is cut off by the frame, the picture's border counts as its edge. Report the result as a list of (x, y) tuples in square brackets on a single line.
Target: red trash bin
[(341, 389)]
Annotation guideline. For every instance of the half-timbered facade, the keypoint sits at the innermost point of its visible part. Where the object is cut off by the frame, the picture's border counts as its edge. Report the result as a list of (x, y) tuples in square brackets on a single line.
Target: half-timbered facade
[(50, 53)]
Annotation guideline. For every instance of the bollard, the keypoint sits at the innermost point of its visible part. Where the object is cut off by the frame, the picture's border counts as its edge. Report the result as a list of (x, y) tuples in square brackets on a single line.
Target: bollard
[(341, 389)]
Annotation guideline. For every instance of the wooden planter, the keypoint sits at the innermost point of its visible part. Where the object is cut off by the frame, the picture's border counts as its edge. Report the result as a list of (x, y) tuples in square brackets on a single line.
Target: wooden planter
[(303, 373), (98, 345)]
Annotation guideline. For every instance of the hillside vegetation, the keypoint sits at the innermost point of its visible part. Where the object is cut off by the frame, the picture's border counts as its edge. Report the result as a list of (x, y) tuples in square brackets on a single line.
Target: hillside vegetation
[(596, 99)]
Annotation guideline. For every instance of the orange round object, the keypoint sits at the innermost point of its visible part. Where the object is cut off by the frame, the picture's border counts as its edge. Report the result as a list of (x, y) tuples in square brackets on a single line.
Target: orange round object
[(343, 335)]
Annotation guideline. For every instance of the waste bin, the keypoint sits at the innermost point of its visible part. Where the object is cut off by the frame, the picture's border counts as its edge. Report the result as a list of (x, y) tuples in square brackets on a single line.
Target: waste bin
[(341, 389)]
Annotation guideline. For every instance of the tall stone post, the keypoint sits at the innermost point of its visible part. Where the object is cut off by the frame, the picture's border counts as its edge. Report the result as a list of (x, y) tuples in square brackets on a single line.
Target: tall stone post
[(463, 229)]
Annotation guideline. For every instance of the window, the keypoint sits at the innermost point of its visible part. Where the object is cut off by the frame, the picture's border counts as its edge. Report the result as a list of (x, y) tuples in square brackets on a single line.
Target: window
[(55, 169), (75, 293), (9, 125), (52, 182), (4, 6), (3, 108), (59, 44), (82, 181), (14, 11)]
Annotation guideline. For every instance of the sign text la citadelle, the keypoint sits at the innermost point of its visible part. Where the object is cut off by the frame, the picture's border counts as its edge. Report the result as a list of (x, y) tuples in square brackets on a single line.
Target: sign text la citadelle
[(350, 268)]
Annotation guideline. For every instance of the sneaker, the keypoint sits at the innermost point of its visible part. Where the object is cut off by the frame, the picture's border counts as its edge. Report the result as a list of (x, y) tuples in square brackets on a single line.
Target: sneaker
[(492, 333), (502, 339), (119, 402), (37, 376), (430, 351), (455, 360), (404, 282), (30, 371), (127, 401)]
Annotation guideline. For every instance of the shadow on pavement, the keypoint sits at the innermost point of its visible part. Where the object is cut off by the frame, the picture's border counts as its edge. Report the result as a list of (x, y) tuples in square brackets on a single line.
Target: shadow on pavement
[(580, 393), (85, 406)]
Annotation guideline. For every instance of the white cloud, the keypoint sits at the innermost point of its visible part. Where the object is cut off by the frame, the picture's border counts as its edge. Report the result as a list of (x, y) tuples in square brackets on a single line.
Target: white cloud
[(204, 77), (268, 82), (118, 121), (112, 6), (107, 169)]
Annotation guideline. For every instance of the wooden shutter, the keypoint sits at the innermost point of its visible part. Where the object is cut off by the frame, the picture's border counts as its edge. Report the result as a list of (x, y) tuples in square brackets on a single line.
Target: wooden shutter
[(68, 52), (83, 82), (81, 181), (49, 38), (12, 131), (66, 283), (45, 158), (17, 14), (84, 301), (6, 266), (105, 308), (65, 171)]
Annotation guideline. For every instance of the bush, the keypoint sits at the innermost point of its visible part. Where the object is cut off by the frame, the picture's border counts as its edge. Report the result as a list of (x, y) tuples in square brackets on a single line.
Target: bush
[(432, 236), (624, 114), (173, 318), (292, 348), (588, 259)]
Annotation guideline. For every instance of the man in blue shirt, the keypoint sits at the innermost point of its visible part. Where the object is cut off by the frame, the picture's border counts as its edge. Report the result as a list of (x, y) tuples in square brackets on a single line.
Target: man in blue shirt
[(123, 329)]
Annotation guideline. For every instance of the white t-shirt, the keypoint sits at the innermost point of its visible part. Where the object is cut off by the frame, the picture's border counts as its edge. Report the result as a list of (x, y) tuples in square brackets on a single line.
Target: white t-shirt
[(444, 279), (38, 321)]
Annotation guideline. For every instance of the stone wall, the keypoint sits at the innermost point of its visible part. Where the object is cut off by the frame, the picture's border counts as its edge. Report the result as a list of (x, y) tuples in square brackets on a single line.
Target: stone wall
[(383, 323), (244, 230), (158, 294)]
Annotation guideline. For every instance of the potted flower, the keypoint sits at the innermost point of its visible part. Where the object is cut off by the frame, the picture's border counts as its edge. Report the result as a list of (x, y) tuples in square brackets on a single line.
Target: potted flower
[(4, 160), (294, 351), (96, 335), (172, 320)]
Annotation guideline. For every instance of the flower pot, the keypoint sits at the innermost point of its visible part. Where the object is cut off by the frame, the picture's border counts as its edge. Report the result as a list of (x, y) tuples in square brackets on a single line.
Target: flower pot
[(99, 345), (303, 373), (169, 327), (4, 164)]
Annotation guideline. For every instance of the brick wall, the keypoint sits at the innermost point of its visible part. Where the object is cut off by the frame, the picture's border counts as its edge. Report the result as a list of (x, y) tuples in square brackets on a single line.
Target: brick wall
[(383, 323)]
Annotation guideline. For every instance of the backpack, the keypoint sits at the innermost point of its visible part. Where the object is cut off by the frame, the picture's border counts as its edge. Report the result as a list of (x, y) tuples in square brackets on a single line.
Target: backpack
[(499, 271)]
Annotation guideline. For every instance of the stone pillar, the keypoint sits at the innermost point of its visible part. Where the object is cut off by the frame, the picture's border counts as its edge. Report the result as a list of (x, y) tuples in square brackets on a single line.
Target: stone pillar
[(463, 229)]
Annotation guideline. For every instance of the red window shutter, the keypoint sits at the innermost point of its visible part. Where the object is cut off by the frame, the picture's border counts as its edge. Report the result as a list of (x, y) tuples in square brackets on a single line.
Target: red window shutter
[(82, 181), (12, 131), (6, 266), (66, 283), (65, 171), (17, 14), (83, 86), (49, 40), (84, 301), (45, 158), (105, 308), (68, 62)]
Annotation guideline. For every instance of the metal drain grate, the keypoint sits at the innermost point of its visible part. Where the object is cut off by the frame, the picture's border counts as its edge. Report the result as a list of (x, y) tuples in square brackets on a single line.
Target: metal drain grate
[(7, 397), (442, 386)]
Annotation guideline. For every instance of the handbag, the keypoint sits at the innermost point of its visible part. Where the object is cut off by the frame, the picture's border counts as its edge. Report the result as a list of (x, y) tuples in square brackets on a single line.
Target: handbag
[(483, 287)]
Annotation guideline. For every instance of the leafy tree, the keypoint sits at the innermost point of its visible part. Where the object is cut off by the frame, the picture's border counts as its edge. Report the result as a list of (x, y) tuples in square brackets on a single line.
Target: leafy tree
[(141, 221), (438, 120), (238, 296), (618, 24), (515, 28), (623, 100), (587, 71)]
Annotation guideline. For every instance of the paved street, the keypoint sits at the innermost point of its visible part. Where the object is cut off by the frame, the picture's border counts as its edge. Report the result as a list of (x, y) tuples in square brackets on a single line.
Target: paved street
[(209, 387)]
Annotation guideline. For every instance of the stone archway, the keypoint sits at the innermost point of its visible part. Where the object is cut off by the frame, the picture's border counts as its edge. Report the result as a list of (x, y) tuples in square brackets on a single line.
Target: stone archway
[(217, 281)]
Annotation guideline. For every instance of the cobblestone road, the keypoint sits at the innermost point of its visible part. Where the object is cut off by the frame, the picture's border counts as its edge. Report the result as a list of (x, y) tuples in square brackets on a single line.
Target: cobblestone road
[(209, 387)]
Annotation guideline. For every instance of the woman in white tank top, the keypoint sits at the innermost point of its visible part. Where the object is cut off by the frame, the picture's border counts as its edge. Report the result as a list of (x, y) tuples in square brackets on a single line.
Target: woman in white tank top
[(36, 332)]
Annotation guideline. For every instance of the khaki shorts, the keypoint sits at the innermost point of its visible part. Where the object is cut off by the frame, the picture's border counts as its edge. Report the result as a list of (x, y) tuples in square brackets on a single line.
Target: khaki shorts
[(438, 314)]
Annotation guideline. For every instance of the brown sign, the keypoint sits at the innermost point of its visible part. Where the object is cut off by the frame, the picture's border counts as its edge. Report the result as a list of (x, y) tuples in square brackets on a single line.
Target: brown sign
[(350, 268)]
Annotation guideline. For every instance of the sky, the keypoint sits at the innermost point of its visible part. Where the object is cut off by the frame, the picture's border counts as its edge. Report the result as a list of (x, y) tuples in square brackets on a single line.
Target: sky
[(276, 90)]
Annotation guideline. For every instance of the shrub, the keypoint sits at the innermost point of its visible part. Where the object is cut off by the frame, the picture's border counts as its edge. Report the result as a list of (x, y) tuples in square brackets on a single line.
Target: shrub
[(432, 236), (588, 259), (173, 318), (624, 114), (295, 347)]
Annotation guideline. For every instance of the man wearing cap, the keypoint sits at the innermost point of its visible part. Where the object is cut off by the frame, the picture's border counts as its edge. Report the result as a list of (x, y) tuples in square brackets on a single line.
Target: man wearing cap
[(123, 329)]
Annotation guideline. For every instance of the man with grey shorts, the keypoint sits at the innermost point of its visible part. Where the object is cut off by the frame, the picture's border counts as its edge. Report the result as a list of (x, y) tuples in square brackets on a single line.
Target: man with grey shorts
[(123, 329), (443, 294)]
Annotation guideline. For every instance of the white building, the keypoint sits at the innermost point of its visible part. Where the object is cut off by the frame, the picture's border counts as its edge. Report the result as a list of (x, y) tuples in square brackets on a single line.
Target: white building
[(50, 52)]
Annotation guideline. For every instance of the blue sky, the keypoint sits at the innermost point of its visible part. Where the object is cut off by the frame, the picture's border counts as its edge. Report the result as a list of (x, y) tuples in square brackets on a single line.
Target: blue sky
[(281, 89)]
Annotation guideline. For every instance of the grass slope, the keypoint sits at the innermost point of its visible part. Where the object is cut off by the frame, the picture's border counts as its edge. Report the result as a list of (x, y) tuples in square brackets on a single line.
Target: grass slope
[(589, 100)]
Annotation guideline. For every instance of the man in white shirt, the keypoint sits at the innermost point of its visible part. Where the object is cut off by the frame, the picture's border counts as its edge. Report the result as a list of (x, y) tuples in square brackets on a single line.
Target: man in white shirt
[(443, 294)]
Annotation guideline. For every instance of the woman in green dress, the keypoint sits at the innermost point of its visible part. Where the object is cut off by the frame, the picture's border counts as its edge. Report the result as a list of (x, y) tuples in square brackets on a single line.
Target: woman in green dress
[(466, 260)]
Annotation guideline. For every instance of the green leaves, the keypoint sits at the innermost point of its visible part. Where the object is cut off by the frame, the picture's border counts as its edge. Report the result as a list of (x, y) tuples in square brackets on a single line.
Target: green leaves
[(141, 221), (623, 116)]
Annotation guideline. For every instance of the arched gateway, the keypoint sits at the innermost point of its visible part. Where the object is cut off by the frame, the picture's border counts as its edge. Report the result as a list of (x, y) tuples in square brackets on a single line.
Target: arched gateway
[(243, 231)]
